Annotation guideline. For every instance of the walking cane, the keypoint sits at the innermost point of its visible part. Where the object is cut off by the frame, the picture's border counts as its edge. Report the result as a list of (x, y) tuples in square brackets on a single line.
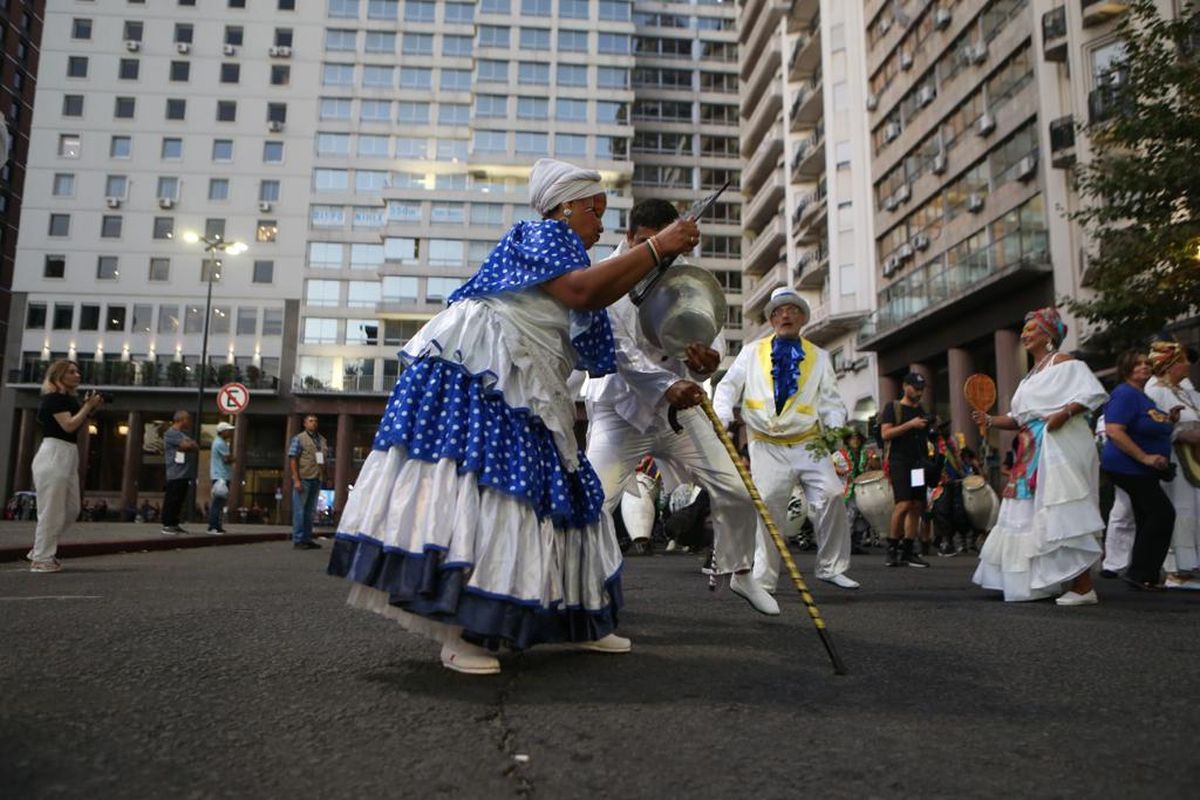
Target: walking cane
[(814, 613)]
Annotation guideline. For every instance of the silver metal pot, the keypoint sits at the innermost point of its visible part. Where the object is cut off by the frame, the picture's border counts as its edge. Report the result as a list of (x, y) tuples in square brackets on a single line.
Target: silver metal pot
[(685, 306)]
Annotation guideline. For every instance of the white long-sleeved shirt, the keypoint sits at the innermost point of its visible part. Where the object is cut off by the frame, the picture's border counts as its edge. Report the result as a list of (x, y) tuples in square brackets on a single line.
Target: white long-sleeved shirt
[(644, 372), (750, 382)]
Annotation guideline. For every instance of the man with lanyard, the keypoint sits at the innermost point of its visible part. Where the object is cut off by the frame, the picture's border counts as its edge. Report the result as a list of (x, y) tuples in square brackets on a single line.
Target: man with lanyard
[(627, 419), (904, 427), (849, 462), (788, 390), (306, 457)]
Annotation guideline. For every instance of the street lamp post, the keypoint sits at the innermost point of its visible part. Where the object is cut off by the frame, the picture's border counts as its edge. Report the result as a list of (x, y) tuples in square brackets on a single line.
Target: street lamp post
[(212, 246)]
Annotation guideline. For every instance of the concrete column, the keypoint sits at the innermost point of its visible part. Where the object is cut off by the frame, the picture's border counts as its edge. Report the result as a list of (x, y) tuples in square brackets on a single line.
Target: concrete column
[(1010, 366), (924, 371), (961, 367), (889, 390), (84, 439), (294, 427), (238, 473), (133, 462), (23, 479), (342, 461)]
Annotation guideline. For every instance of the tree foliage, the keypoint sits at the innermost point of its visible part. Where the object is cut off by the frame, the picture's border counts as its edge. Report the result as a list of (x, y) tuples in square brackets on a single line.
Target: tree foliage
[(1141, 188)]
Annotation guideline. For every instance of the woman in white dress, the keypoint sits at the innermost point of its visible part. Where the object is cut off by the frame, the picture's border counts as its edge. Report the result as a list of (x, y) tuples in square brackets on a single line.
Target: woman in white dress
[(1049, 521), (1171, 389), (476, 520)]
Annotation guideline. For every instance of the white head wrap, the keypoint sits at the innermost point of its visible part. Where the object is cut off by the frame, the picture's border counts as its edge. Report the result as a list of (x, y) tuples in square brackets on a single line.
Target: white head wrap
[(553, 182)]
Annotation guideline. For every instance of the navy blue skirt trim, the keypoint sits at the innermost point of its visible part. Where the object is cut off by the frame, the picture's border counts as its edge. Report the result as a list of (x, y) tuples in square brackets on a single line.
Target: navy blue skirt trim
[(421, 584)]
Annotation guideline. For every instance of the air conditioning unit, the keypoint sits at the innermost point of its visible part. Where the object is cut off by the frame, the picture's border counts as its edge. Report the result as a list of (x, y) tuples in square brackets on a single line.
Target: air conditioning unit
[(904, 251), (183, 48), (872, 102), (229, 50), (940, 162), (903, 193), (906, 60), (263, 205), (926, 95), (133, 45), (975, 203), (987, 124), (283, 51), (891, 131), (1027, 167), (941, 19), (890, 265), (921, 241), (113, 202), (977, 54), (166, 202), (274, 126), (890, 203)]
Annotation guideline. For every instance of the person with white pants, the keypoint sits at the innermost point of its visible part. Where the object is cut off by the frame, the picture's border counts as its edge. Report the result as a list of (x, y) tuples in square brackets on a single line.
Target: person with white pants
[(782, 418), (628, 419), (56, 464)]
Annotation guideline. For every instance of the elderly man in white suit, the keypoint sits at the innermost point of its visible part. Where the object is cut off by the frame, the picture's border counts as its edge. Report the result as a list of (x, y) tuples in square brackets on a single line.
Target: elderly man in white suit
[(787, 391)]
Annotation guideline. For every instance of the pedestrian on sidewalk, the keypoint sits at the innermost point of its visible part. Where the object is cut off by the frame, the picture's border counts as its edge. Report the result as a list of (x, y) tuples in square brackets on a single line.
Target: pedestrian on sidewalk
[(306, 456), (220, 461), (180, 456), (56, 465)]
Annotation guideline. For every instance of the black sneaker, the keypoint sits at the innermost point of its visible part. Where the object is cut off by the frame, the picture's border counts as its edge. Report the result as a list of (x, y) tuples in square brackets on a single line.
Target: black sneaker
[(946, 550), (892, 559), (309, 545), (640, 547), (914, 560)]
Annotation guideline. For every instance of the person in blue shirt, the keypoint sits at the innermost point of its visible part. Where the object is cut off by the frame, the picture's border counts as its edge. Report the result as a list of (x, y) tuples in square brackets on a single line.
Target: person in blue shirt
[(220, 474), (1135, 458)]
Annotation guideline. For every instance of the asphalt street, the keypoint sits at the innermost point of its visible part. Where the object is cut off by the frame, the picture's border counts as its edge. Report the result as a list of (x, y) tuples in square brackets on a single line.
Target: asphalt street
[(239, 672)]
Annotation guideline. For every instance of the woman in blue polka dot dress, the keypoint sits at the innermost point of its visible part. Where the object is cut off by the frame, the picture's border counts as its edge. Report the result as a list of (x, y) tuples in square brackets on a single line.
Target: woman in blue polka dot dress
[(476, 520)]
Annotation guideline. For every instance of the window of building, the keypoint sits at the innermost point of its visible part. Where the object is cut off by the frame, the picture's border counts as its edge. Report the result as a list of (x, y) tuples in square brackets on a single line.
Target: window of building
[(487, 214), (613, 43), (574, 9), (452, 150), (277, 112), (495, 6), (325, 255), (486, 141), (362, 294), (234, 35), (411, 112), (64, 316), (183, 33), (180, 71), (247, 320), (193, 319), (268, 191), (286, 5), (419, 10), (218, 189), (272, 152), (222, 150), (370, 181), (341, 40), (214, 228), (77, 66), (72, 105), (571, 74), (69, 145), (455, 80), (320, 331), (569, 144), (176, 108), (533, 108), (60, 225), (337, 108), (438, 289), (569, 109), (164, 228), (373, 146), (612, 77), (401, 250), (337, 75), (143, 319), (272, 324), (416, 78), (168, 187), (377, 77), (127, 69), (404, 211), (55, 266), (445, 252), (231, 73), (35, 316), (457, 46), (172, 148), (114, 320), (572, 41), (89, 317), (107, 268), (110, 226), (462, 13), (81, 28), (491, 106), (417, 44), (264, 271), (487, 71), (123, 107), (333, 144), (226, 111), (266, 231), (532, 74), (168, 319), (283, 37), (64, 184), (535, 39)]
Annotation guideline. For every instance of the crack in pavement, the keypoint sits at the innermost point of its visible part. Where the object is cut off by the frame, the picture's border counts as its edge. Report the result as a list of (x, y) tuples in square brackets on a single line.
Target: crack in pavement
[(506, 733)]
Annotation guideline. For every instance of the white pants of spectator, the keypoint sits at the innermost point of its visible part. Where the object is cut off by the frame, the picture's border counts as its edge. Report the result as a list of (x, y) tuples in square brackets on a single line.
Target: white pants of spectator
[(1119, 536), (615, 447), (776, 470), (56, 479)]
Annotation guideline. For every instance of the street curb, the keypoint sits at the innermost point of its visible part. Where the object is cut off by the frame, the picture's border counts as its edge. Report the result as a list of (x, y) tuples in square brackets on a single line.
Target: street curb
[(84, 549)]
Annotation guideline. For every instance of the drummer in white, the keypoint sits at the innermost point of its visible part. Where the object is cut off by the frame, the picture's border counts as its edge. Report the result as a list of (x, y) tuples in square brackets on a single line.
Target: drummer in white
[(787, 390), (627, 419)]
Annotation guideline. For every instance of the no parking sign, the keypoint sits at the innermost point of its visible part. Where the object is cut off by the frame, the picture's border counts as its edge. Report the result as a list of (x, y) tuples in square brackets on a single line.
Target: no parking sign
[(233, 398)]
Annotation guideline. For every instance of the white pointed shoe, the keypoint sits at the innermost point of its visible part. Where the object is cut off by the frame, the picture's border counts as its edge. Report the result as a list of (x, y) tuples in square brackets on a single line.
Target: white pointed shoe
[(462, 656), (842, 580), (1076, 599), (607, 644), (750, 590)]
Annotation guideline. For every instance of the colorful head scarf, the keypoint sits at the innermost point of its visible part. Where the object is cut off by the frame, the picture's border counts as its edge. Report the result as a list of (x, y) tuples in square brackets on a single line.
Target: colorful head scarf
[(1164, 355), (1048, 322)]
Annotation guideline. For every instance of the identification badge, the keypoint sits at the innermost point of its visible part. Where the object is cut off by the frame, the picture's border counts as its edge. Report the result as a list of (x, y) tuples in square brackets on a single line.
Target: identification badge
[(917, 478), (320, 458), (180, 457)]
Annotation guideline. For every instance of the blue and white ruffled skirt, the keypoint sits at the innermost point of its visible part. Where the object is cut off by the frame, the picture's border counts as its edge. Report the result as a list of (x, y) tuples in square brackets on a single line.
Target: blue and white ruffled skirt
[(466, 517)]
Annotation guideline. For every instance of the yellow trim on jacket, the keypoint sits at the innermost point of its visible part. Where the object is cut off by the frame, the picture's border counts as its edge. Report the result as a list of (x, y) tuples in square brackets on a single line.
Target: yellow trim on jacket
[(806, 368)]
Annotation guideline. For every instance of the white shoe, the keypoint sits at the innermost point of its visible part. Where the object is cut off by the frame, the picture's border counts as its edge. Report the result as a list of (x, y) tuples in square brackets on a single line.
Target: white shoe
[(1076, 599), (465, 657), (214, 532), (607, 644), (744, 586), (842, 580), (1173, 582)]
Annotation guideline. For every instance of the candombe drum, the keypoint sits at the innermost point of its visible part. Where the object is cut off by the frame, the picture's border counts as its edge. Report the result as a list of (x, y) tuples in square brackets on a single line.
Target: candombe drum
[(797, 512), (981, 503), (637, 510), (873, 493), (685, 306)]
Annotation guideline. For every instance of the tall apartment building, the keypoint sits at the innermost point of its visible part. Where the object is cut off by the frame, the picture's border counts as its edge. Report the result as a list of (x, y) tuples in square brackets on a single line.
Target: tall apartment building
[(806, 176), (21, 36), (369, 152), (685, 128)]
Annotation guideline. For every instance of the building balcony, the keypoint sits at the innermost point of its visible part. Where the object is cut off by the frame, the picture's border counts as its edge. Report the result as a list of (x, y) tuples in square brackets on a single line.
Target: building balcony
[(809, 161), (812, 269), (771, 280), (757, 31), (349, 383), (149, 376), (764, 160), (802, 14), (825, 327), (806, 55), (808, 216), (766, 115), (1062, 142), (808, 106), (765, 205), (764, 251), (1098, 12), (1054, 34), (766, 70)]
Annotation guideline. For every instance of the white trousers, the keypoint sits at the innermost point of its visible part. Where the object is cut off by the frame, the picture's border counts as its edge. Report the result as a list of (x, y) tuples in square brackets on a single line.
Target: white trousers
[(56, 479), (615, 447), (1119, 536), (777, 469)]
